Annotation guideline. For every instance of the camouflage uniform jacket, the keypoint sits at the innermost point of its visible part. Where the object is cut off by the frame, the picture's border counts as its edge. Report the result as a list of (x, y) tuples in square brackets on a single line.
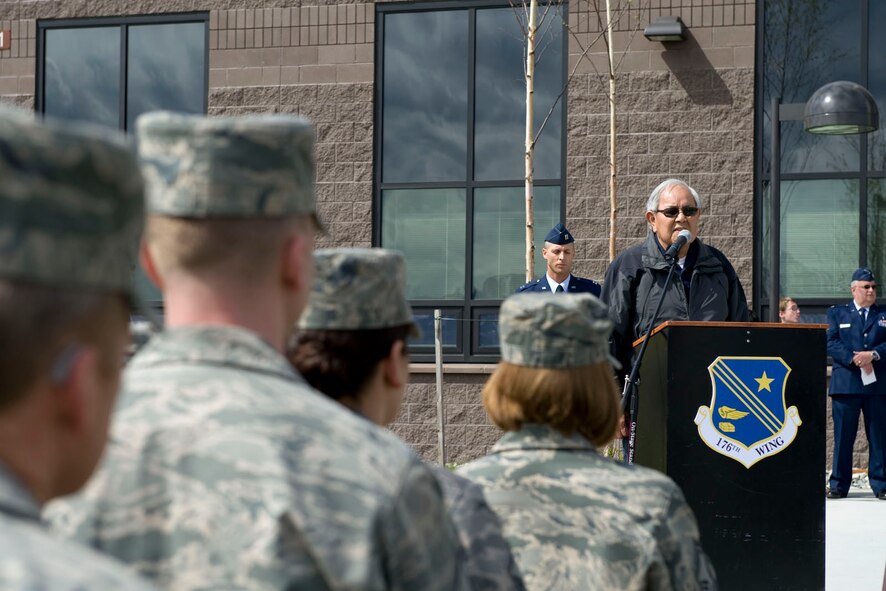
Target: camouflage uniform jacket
[(576, 520), (225, 470), (490, 564), (32, 560)]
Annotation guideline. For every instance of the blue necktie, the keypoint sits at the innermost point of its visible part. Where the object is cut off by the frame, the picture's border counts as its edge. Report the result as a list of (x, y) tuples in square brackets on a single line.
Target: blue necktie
[(864, 315), (559, 289)]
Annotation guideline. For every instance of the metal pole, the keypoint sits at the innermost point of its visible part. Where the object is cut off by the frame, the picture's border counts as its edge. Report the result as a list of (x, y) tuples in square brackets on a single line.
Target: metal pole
[(438, 355), (775, 210)]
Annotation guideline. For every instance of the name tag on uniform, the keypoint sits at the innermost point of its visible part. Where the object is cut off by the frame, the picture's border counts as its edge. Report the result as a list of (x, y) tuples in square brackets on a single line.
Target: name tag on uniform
[(847, 325)]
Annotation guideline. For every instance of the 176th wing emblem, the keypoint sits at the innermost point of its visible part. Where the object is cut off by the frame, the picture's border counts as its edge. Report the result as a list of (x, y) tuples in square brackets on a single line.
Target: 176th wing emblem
[(747, 419)]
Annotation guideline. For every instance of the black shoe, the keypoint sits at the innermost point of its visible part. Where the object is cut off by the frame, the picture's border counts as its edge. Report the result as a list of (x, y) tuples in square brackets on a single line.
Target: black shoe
[(835, 494), (882, 495)]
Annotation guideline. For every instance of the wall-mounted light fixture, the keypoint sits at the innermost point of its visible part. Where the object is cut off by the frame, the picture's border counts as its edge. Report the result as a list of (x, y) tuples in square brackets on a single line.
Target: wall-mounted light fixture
[(666, 28)]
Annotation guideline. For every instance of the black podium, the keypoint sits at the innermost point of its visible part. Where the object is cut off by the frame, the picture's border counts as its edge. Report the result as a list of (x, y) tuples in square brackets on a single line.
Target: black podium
[(735, 414)]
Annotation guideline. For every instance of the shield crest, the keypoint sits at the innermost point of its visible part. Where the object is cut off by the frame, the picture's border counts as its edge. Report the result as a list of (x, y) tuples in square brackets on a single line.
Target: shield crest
[(747, 419)]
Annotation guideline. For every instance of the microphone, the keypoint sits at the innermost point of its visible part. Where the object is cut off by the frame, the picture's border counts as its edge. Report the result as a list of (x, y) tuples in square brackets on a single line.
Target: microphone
[(682, 238)]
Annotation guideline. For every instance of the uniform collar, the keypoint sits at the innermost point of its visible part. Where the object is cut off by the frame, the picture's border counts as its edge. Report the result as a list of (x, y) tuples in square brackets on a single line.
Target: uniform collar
[(228, 346), (15, 500), (537, 436), (553, 284)]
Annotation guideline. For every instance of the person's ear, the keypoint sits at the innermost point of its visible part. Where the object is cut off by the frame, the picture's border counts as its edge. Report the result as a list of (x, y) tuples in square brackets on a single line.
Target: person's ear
[(148, 266), (296, 262), (75, 383), (650, 219), (394, 370)]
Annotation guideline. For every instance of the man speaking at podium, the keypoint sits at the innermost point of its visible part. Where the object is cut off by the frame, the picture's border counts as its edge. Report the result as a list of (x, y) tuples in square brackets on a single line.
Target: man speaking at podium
[(703, 287)]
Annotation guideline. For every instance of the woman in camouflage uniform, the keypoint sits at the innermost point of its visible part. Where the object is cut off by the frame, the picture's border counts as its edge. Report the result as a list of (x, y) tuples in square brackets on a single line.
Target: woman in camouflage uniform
[(351, 345), (576, 520)]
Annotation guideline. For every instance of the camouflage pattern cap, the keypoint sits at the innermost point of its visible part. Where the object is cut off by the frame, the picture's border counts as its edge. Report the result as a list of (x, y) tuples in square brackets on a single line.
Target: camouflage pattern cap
[(71, 203), (246, 167), (544, 330), (357, 289)]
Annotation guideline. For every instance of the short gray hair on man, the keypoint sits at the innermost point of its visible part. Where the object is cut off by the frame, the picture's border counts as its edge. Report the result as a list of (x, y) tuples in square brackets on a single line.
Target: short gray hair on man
[(652, 203)]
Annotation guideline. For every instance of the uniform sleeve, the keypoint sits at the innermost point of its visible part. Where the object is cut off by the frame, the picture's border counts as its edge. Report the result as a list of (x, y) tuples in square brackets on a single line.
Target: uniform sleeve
[(617, 295), (422, 551), (837, 349), (677, 534)]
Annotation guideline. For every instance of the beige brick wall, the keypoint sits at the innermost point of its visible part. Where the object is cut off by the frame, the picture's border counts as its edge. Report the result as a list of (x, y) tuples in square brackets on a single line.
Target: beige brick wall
[(302, 45), (468, 431), (683, 110), (318, 62), (17, 64)]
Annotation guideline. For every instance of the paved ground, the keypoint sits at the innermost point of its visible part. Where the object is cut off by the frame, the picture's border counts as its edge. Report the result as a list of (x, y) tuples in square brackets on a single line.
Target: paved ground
[(855, 546)]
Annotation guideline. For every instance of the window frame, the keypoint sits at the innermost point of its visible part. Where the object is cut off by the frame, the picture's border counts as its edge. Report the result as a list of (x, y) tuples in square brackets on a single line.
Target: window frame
[(467, 349), (814, 307), (123, 23)]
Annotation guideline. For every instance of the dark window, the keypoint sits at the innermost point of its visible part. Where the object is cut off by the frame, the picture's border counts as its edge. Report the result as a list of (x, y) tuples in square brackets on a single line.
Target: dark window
[(167, 69), (832, 188), (111, 70), (426, 98), (450, 115), (81, 72)]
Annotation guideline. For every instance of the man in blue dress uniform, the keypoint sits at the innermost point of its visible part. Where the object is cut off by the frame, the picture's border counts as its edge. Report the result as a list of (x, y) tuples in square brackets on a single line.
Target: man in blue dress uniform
[(559, 252), (857, 344)]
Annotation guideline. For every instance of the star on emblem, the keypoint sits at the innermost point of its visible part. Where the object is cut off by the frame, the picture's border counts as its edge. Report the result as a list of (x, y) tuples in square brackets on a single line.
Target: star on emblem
[(764, 382)]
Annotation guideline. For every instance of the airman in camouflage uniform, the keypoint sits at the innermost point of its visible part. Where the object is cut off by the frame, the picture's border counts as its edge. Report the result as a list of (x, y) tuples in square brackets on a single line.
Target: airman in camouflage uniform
[(71, 208), (576, 520), (226, 470), (351, 342)]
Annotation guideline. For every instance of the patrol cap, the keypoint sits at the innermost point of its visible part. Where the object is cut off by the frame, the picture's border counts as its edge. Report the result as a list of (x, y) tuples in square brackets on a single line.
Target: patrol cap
[(556, 332), (559, 235), (245, 167), (358, 289), (71, 204), (863, 274)]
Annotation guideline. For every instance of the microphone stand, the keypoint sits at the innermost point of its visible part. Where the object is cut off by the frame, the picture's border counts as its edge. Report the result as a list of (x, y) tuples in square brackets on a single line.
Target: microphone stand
[(632, 382)]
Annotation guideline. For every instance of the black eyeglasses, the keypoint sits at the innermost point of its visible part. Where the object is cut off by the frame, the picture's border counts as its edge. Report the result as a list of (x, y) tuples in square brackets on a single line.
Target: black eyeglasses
[(866, 287), (671, 212)]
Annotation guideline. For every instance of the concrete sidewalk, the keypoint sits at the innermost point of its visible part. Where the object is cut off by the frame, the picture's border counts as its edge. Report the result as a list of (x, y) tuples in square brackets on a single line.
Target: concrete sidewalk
[(855, 542)]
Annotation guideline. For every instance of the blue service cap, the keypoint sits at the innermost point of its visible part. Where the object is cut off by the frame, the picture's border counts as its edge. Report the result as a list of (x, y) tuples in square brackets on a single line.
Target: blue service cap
[(559, 235), (863, 274)]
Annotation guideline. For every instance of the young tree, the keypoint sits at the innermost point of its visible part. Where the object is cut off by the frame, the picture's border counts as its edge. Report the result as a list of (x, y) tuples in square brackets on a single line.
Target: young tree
[(606, 25)]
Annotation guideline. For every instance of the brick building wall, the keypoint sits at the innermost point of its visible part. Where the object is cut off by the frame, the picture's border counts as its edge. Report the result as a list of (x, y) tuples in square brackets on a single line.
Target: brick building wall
[(684, 110)]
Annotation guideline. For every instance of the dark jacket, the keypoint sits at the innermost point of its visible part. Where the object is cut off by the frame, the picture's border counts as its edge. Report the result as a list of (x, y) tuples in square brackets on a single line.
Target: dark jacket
[(576, 285), (637, 276), (846, 334)]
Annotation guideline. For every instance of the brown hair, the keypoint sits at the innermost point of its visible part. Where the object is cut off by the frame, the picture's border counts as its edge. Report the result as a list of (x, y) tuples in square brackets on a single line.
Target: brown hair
[(244, 248), (579, 399), (339, 363), (38, 322)]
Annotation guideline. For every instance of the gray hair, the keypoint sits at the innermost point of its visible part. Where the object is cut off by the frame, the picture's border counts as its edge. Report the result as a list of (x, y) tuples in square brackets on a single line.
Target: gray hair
[(652, 203)]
